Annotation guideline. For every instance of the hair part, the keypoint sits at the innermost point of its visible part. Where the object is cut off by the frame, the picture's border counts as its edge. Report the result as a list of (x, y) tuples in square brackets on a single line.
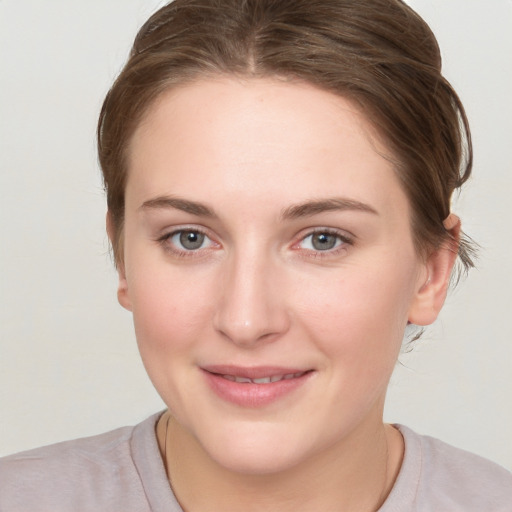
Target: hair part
[(379, 54)]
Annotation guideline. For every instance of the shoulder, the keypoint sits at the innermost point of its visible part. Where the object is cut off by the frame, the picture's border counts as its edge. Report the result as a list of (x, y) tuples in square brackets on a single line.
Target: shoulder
[(83, 474), (448, 478)]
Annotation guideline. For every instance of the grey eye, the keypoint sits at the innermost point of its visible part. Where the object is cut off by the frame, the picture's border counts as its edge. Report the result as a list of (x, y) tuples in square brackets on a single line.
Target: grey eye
[(189, 240), (324, 241)]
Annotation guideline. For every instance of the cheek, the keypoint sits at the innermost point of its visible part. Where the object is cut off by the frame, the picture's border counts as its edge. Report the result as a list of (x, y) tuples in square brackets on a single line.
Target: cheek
[(170, 309), (170, 313), (360, 314)]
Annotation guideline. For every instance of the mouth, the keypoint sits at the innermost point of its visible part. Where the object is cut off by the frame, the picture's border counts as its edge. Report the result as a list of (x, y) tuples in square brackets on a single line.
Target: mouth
[(254, 387), (263, 380)]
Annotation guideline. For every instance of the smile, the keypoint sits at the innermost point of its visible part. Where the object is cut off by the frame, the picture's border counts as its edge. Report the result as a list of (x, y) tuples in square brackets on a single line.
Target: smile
[(263, 380), (254, 387)]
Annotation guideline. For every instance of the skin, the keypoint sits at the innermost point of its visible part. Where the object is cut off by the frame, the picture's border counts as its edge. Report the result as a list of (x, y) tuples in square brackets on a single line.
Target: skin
[(260, 292)]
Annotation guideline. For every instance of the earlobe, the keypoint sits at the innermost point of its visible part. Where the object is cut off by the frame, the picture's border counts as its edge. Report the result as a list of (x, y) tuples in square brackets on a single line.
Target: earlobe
[(122, 289), (431, 293)]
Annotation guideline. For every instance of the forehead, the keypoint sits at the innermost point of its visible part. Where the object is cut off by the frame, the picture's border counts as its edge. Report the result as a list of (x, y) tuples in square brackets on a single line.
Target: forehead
[(263, 139)]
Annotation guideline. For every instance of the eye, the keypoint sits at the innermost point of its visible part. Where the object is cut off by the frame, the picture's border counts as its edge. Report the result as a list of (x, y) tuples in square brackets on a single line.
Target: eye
[(189, 240), (323, 241)]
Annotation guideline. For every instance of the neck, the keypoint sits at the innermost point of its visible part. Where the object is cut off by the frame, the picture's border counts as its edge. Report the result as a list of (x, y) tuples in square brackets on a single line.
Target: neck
[(355, 475)]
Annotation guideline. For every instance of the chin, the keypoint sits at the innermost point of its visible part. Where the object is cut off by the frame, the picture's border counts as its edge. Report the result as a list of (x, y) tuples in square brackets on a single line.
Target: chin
[(257, 461), (256, 449)]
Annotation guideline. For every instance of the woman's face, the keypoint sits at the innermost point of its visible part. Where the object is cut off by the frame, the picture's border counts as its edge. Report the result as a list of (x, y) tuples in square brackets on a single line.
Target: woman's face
[(266, 238)]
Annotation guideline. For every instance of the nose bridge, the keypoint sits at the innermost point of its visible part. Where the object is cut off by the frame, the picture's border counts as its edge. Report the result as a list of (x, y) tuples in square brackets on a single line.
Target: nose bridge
[(251, 306)]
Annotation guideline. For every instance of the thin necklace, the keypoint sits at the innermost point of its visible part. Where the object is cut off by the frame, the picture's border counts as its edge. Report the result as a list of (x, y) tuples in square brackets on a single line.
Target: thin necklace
[(165, 446), (382, 493)]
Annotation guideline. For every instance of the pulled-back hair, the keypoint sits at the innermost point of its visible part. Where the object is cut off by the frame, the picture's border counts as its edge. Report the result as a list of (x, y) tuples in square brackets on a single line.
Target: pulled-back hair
[(377, 53)]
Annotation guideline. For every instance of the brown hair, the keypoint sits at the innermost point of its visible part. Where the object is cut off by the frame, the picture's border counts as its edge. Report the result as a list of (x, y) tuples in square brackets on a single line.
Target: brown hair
[(378, 53)]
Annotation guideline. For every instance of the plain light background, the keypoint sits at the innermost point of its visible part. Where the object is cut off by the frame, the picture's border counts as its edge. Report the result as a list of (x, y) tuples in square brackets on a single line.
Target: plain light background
[(69, 365)]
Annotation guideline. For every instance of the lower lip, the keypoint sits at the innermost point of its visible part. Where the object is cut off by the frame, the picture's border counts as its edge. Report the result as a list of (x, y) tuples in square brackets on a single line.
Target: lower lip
[(253, 395)]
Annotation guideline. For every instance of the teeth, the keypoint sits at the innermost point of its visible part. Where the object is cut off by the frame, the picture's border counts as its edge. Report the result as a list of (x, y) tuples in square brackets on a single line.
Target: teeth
[(263, 380), (242, 379)]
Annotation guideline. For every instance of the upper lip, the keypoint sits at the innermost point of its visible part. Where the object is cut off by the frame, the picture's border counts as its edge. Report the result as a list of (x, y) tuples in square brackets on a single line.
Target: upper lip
[(252, 372)]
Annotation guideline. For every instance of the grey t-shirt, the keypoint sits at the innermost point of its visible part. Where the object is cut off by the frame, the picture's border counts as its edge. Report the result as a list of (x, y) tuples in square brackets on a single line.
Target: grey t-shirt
[(122, 471)]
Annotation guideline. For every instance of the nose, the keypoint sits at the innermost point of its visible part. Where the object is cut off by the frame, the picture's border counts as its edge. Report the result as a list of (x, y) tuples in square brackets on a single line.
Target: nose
[(252, 304)]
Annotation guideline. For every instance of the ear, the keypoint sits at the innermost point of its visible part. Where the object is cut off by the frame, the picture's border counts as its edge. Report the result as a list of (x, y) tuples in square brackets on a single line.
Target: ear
[(122, 288), (431, 293)]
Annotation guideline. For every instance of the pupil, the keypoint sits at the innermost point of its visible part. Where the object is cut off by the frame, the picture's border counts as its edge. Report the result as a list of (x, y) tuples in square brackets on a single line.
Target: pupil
[(324, 241), (191, 239)]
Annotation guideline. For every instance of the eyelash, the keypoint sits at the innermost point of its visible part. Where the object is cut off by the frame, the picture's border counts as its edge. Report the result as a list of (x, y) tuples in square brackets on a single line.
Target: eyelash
[(165, 242), (344, 239)]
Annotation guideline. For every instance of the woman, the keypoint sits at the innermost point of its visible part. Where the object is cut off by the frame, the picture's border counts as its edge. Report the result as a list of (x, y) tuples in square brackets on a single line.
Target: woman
[(278, 177)]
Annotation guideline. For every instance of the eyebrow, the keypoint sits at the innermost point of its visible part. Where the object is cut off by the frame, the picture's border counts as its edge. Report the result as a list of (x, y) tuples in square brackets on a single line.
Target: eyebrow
[(184, 205), (306, 209), (311, 208)]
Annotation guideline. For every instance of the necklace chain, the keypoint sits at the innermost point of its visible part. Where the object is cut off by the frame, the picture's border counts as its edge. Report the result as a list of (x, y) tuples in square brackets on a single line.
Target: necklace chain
[(166, 463)]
